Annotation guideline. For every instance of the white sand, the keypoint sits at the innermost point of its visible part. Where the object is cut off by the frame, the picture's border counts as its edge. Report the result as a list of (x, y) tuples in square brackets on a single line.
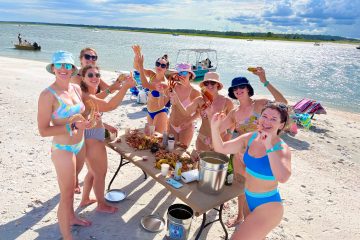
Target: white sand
[(321, 198)]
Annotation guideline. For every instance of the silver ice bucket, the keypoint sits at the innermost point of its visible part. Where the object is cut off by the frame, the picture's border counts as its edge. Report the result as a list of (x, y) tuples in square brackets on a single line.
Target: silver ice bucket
[(212, 172)]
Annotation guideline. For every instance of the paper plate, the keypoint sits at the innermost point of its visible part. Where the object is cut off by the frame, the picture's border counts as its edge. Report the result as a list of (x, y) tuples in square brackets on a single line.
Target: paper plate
[(115, 195), (153, 223)]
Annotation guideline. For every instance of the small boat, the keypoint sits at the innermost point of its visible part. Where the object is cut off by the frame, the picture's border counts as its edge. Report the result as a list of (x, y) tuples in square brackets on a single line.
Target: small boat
[(316, 44), (358, 47), (34, 47), (203, 60), (175, 34)]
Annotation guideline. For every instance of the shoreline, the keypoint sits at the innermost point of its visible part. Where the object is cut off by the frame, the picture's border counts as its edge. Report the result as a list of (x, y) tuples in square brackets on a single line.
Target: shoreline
[(178, 32), (321, 199)]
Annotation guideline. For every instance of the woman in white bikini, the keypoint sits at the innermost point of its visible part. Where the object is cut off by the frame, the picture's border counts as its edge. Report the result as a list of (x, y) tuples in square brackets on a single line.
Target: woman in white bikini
[(181, 125), (211, 86)]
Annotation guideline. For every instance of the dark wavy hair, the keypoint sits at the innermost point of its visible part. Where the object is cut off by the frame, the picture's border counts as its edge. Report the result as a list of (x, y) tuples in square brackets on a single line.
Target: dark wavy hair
[(165, 57), (282, 109)]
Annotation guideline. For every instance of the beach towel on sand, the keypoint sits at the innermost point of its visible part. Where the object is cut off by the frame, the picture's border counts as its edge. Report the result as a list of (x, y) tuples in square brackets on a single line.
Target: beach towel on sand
[(309, 106)]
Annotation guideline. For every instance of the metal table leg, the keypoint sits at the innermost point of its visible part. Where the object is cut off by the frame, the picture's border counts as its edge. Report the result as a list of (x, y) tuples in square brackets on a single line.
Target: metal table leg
[(203, 225), (122, 163)]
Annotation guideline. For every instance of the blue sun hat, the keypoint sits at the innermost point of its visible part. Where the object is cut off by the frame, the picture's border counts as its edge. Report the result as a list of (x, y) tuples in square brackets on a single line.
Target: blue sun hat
[(239, 81), (62, 57)]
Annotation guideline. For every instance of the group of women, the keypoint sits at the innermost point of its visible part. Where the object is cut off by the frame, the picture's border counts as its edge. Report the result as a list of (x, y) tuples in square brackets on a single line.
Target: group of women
[(249, 131)]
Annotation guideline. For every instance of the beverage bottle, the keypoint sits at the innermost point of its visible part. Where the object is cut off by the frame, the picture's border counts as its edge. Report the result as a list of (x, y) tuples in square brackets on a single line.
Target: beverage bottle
[(177, 172), (230, 172), (171, 137), (165, 139)]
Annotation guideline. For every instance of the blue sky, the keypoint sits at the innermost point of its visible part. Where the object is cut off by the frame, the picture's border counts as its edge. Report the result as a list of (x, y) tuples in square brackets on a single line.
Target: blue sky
[(331, 17)]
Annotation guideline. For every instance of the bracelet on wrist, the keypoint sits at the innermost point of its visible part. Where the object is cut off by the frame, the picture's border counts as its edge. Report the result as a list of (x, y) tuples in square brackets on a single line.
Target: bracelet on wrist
[(266, 83), (68, 129), (107, 91), (73, 126)]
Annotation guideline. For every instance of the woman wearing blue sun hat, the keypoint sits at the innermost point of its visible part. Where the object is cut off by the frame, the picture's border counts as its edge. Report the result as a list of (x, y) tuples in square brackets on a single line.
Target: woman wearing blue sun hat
[(57, 104), (244, 119)]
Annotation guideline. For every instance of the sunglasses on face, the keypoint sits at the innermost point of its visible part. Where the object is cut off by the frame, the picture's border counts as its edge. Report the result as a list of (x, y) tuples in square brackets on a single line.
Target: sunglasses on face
[(67, 66), (239, 87), (158, 64), (91, 75), (183, 73), (90, 57), (209, 83)]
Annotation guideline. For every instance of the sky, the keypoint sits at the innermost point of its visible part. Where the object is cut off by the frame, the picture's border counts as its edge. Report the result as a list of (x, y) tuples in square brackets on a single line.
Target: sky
[(328, 17)]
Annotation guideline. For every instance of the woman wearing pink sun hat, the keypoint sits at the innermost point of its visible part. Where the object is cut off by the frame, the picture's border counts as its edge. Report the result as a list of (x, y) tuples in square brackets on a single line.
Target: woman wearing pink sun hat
[(181, 125)]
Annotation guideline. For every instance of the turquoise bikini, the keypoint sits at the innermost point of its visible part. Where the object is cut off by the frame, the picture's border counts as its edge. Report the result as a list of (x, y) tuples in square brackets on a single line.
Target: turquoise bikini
[(260, 168), (65, 111)]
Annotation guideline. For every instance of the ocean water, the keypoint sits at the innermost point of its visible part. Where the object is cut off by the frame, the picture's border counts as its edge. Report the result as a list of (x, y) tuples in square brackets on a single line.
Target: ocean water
[(329, 73)]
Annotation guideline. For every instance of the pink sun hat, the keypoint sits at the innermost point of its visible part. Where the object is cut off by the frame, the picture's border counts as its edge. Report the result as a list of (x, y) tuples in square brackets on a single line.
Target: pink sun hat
[(185, 67)]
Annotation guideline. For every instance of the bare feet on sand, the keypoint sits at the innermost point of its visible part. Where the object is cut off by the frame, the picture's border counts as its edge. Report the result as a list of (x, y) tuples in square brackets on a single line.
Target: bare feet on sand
[(106, 208), (87, 202), (80, 222), (234, 221)]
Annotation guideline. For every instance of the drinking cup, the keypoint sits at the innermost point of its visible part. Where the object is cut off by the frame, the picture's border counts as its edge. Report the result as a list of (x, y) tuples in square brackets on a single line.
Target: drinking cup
[(165, 169)]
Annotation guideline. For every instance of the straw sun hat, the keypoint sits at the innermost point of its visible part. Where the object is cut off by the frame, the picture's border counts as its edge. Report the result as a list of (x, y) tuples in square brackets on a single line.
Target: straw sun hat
[(211, 77)]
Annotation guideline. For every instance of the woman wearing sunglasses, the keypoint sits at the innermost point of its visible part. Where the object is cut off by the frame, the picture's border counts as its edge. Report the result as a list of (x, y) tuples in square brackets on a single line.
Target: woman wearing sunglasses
[(244, 119), (96, 157), (212, 85), (268, 161), (182, 126), (88, 56), (57, 104), (158, 103)]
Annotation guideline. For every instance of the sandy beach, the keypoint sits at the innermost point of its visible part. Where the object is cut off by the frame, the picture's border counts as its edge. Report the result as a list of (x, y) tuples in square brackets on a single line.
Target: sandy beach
[(321, 198)]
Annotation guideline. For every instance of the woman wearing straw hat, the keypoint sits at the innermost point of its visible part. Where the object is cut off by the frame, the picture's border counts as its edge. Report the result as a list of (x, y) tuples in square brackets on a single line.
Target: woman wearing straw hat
[(211, 85), (182, 126), (244, 119), (57, 104)]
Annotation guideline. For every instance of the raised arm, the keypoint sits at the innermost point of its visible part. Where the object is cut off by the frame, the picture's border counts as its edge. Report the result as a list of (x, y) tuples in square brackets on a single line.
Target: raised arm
[(260, 72), (113, 103), (231, 146)]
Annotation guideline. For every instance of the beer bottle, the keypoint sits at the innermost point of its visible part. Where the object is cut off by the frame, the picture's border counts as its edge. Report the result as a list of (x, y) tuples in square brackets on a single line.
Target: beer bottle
[(230, 172)]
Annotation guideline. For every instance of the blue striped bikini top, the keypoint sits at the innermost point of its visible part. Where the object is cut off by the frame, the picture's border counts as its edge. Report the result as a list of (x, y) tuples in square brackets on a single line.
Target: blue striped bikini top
[(64, 110), (259, 167)]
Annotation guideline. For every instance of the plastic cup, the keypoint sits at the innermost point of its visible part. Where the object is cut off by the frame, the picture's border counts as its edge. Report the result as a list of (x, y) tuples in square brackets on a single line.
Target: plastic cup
[(151, 130), (171, 145), (165, 169)]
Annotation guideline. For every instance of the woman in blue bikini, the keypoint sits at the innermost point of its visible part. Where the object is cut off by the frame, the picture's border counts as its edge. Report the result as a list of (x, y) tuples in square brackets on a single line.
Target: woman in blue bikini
[(267, 161), (158, 103), (56, 105), (243, 119)]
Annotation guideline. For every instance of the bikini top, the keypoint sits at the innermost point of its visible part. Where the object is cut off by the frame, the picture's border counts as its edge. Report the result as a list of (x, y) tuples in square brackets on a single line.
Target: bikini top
[(64, 110), (203, 114), (249, 124), (155, 93), (260, 167)]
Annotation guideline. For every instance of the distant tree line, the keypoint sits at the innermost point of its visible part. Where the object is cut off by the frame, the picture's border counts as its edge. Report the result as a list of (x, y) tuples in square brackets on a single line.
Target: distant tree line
[(230, 34)]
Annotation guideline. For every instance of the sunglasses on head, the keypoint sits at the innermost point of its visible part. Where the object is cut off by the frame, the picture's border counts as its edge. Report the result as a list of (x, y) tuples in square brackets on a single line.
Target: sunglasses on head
[(183, 73), (209, 82), (90, 57), (158, 64), (91, 75), (67, 66), (238, 87)]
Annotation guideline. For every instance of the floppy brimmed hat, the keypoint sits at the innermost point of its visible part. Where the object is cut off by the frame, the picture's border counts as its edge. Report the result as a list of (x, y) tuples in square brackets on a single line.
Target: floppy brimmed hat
[(182, 67), (240, 81), (212, 77), (62, 57)]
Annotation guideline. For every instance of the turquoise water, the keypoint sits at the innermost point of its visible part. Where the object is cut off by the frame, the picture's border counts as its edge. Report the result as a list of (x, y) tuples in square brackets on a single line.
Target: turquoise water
[(329, 73)]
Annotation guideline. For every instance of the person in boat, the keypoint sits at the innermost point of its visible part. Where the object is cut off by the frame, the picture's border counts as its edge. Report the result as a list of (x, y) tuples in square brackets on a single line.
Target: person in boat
[(56, 105), (209, 100), (19, 38), (183, 126), (244, 119), (158, 103), (88, 56), (35, 45), (96, 157), (268, 161)]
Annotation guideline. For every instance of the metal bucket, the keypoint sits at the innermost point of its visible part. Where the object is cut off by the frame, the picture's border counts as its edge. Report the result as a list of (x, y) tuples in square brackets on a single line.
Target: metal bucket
[(212, 172), (179, 219)]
